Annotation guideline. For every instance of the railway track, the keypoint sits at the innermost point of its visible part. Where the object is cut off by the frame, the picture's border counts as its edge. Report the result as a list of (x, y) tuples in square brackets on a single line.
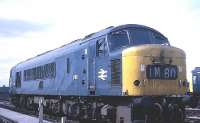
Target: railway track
[(7, 105), (192, 114)]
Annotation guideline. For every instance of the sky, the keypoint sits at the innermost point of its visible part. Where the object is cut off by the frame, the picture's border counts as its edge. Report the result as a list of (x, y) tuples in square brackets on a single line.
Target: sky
[(31, 27)]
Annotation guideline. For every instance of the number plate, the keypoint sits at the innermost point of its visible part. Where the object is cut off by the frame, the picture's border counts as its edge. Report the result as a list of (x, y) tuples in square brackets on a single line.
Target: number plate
[(166, 72)]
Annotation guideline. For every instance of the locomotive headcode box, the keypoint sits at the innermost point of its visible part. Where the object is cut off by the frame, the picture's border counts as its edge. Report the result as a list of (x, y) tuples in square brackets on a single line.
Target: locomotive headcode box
[(162, 72)]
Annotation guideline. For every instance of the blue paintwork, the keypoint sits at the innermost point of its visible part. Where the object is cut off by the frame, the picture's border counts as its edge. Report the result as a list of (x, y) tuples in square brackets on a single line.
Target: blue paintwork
[(196, 80), (63, 83)]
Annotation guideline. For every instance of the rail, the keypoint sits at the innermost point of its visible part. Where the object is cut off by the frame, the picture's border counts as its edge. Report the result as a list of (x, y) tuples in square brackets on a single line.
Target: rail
[(6, 120)]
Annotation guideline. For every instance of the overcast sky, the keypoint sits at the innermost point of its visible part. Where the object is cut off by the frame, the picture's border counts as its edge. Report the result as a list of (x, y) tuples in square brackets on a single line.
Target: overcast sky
[(30, 27)]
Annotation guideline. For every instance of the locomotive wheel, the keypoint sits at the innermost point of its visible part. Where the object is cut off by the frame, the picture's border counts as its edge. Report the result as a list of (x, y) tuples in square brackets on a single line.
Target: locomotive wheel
[(170, 114), (22, 102), (175, 114), (179, 114), (64, 108), (155, 115)]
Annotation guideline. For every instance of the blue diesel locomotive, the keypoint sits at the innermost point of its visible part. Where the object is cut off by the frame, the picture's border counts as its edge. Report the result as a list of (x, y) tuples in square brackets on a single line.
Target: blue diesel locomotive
[(119, 74)]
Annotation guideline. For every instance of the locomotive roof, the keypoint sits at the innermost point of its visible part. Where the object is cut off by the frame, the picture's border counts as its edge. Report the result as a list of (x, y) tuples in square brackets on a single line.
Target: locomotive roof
[(112, 28), (196, 70), (52, 54)]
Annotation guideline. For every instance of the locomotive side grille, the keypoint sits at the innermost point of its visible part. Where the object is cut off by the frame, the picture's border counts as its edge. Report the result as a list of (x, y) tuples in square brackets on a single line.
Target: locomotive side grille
[(115, 71)]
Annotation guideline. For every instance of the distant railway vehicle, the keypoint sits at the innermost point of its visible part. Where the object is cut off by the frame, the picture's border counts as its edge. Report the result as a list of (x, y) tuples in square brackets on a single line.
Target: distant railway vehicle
[(196, 81), (4, 90), (4, 93), (119, 74)]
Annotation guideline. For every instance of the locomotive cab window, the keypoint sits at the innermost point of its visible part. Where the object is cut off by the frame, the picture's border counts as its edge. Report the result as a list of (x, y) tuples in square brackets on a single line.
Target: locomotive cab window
[(118, 39), (159, 39), (101, 47), (140, 36)]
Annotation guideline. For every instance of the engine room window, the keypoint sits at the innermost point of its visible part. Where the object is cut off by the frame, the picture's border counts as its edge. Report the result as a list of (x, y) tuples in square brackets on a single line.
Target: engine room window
[(101, 48), (53, 70), (68, 65), (140, 36), (118, 39), (46, 71), (41, 72)]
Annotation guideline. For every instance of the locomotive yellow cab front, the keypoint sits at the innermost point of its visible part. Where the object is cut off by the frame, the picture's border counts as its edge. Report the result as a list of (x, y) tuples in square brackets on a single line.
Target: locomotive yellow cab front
[(153, 70)]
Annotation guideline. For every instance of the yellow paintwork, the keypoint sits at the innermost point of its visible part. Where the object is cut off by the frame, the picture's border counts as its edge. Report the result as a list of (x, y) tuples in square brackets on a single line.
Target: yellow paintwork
[(190, 86), (135, 58)]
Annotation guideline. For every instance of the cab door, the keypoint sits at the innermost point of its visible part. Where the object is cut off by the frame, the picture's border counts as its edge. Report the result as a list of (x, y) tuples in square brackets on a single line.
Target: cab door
[(91, 68), (98, 66), (18, 79), (102, 67)]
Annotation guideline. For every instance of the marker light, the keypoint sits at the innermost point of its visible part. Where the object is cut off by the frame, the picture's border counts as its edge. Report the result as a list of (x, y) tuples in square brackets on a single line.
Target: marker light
[(142, 67), (136, 82), (179, 83)]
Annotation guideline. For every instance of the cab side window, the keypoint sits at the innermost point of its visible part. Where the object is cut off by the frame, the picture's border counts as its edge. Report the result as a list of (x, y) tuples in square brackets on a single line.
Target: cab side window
[(101, 47), (18, 80)]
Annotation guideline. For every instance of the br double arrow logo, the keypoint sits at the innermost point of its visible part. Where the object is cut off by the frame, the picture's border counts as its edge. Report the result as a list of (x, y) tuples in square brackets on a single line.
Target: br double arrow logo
[(102, 74)]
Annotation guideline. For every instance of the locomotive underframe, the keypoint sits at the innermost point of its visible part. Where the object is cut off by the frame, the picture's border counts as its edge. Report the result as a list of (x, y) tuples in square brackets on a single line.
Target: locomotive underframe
[(151, 109)]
